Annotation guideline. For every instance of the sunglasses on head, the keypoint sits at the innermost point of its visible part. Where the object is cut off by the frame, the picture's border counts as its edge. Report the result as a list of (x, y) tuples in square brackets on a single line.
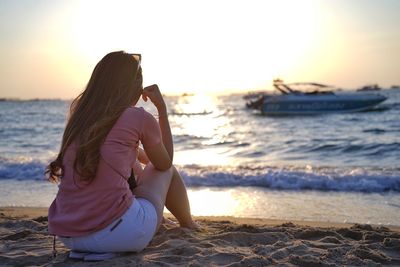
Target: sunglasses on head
[(138, 58)]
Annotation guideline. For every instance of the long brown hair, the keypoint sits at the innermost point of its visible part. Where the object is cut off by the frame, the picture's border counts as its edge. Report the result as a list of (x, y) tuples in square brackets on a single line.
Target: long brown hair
[(115, 84)]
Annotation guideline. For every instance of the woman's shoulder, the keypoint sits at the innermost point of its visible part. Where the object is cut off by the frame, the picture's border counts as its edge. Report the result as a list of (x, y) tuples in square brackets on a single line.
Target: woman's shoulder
[(133, 113), (134, 109), (137, 111)]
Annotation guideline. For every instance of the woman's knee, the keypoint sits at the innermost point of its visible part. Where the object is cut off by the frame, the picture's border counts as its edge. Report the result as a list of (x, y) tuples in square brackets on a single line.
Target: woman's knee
[(150, 173), (150, 167), (153, 185)]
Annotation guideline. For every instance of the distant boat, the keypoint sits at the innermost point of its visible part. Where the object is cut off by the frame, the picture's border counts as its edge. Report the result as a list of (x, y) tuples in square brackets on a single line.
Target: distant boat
[(395, 87), (370, 87), (314, 98)]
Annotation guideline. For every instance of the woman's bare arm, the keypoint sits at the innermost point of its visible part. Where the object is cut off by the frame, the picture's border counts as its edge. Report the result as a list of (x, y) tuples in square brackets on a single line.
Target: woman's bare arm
[(166, 130), (160, 155)]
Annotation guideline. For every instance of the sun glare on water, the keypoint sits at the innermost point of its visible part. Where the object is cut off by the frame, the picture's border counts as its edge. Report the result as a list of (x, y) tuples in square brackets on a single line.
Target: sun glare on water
[(200, 117)]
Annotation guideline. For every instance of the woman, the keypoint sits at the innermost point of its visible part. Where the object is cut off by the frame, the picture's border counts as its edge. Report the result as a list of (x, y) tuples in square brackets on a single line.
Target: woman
[(94, 210)]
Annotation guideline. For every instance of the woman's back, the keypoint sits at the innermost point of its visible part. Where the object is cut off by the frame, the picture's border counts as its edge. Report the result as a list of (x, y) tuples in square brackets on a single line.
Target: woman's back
[(80, 209)]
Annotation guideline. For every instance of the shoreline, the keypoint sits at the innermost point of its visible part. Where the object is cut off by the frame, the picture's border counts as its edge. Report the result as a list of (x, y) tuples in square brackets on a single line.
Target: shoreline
[(221, 241), (375, 208), (34, 212)]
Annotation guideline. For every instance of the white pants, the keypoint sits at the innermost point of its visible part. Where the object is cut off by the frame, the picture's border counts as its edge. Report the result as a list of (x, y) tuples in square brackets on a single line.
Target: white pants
[(131, 232)]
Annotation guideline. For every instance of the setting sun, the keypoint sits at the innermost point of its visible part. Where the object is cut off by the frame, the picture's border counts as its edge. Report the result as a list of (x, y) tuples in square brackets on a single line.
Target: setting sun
[(207, 46), (244, 49)]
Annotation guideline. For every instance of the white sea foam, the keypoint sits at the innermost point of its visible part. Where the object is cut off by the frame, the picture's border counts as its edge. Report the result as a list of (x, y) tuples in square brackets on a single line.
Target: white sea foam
[(307, 178), (286, 179), (21, 168)]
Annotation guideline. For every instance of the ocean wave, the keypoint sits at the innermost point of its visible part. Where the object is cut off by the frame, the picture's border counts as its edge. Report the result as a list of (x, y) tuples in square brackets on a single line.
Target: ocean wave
[(22, 168), (186, 138), (285, 179), (282, 178), (344, 148), (374, 131)]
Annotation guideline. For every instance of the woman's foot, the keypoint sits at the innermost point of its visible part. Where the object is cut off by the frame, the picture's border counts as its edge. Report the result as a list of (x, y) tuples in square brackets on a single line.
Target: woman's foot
[(168, 222), (190, 225)]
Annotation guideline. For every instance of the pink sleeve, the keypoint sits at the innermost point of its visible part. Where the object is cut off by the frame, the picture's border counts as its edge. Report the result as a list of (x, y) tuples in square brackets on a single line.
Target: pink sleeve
[(151, 133)]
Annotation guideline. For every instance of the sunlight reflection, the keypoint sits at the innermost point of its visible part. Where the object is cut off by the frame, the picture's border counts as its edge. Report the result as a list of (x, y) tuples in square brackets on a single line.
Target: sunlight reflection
[(237, 202), (197, 104), (199, 117), (208, 202)]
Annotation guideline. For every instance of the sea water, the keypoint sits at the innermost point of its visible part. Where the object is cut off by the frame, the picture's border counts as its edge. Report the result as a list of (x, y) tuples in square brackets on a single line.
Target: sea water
[(334, 167)]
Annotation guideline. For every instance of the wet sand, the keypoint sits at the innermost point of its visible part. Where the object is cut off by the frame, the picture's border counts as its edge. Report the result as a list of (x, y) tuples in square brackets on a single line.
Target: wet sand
[(221, 241)]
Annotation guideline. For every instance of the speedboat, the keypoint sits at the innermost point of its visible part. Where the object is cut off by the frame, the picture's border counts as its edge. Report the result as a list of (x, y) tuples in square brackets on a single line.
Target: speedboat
[(313, 98)]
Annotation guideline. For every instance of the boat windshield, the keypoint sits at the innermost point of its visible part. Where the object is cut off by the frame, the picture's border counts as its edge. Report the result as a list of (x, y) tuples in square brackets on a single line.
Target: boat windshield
[(302, 88)]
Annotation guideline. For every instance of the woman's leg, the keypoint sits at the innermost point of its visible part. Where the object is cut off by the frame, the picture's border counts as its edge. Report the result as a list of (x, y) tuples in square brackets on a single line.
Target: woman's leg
[(153, 185), (165, 188), (177, 201)]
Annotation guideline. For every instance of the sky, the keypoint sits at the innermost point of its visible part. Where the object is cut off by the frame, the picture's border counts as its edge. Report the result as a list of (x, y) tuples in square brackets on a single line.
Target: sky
[(48, 49)]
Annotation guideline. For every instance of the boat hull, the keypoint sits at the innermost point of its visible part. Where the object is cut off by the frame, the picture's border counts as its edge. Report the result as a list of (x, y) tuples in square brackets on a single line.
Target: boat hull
[(303, 104)]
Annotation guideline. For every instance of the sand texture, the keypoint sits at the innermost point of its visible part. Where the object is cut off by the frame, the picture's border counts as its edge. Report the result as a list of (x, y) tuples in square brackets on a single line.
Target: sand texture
[(220, 242)]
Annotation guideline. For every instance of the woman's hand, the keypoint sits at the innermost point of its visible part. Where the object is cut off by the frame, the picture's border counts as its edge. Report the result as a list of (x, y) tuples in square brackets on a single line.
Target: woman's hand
[(153, 93)]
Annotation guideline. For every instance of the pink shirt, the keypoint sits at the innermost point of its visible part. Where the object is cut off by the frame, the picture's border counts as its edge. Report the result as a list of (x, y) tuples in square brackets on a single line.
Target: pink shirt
[(81, 208)]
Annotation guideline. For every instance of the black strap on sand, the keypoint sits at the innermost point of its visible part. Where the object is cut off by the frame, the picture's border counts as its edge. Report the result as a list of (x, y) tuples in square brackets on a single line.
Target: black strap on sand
[(54, 247), (132, 181)]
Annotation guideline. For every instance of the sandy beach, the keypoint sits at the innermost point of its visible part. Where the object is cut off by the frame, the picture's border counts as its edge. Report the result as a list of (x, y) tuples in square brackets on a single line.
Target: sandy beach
[(222, 241)]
